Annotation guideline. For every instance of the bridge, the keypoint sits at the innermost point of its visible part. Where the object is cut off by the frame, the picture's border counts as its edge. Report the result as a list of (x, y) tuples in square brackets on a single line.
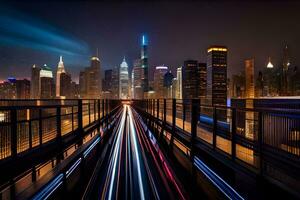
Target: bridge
[(147, 149)]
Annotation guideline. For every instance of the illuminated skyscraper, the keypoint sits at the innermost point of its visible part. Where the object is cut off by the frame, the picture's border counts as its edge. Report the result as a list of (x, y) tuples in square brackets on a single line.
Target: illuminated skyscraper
[(285, 67), (23, 89), (35, 82), (202, 80), (249, 83), (90, 80), (65, 86), (60, 70), (111, 83), (190, 79), (158, 84), (123, 80), (217, 75), (144, 64), (46, 83), (82, 84), (168, 84), (8, 89), (94, 85), (137, 73), (178, 89)]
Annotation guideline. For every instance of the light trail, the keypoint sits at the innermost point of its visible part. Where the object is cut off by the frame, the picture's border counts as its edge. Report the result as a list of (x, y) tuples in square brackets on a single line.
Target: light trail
[(113, 162), (134, 138), (224, 187)]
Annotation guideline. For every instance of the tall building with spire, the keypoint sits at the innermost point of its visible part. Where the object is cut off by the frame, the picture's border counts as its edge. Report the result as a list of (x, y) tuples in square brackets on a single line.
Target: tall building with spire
[(59, 72), (144, 63), (123, 80)]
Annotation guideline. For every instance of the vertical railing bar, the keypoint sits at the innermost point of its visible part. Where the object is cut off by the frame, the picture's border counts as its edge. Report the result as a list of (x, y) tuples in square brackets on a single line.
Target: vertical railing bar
[(40, 127), (58, 123), (260, 142), (214, 127), (233, 133), (14, 133), (30, 131)]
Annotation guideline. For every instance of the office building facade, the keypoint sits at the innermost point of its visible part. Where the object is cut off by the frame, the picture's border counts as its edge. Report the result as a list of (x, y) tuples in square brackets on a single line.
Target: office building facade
[(217, 75)]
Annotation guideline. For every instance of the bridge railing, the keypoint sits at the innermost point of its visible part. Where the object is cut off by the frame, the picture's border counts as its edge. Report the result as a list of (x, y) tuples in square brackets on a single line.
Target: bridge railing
[(28, 124), (265, 141)]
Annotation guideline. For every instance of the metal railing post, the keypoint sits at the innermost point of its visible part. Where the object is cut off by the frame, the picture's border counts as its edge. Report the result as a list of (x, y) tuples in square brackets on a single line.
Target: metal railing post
[(14, 132), (173, 122), (98, 105), (58, 123), (260, 142), (95, 113), (89, 108), (102, 108), (233, 134), (40, 127), (157, 108), (106, 112), (194, 121), (80, 123), (165, 111), (72, 118), (30, 133), (214, 127), (79, 118)]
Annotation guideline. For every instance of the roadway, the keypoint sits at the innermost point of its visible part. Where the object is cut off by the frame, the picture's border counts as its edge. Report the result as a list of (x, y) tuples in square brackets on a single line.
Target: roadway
[(136, 168)]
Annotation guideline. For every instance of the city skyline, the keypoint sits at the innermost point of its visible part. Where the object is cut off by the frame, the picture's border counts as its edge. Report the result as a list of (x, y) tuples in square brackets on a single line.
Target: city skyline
[(149, 100), (166, 48)]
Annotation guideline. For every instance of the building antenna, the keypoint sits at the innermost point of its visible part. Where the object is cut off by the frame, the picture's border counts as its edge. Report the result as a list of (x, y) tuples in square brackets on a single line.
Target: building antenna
[(97, 52)]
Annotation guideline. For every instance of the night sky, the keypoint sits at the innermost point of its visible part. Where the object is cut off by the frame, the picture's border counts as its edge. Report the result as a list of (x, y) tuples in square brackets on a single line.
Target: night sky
[(37, 32)]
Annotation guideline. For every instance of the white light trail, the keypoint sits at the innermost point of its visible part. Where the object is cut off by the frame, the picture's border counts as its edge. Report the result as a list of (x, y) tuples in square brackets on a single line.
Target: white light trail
[(134, 138), (113, 162)]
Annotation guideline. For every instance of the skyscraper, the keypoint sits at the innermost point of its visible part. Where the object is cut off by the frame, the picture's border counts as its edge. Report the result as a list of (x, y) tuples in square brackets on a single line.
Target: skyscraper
[(8, 89), (46, 83), (237, 86), (35, 82), (168, 84), (111, 83), (60, 70), (190, 79), (249, 82), (123, 80), (82, 84), (159, 73), (94, 83), (65, 86), (202, 81), (23, 89), (144, 64), (107, 81), (74, 90), (137, 73), (217, 75), (178, 94), (285, 67), (90, 80)]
